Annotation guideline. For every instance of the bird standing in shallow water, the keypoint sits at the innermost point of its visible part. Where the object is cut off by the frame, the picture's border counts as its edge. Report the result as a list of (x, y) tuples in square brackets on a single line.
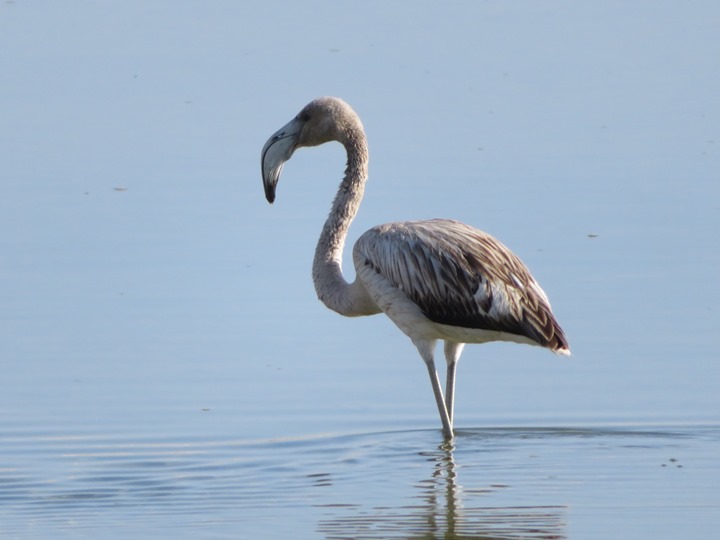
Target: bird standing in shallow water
[(437, 279)]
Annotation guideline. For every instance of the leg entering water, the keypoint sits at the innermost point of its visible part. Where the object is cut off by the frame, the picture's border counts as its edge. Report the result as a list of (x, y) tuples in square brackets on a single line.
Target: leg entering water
[(425, 348), (452, 355)]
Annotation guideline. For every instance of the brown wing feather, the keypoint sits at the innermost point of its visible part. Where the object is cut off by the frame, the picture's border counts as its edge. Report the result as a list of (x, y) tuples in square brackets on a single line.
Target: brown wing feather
[(461, 276)]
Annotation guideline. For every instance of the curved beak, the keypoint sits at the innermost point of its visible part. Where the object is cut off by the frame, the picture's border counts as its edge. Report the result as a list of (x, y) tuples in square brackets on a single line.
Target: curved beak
[(277, 150)]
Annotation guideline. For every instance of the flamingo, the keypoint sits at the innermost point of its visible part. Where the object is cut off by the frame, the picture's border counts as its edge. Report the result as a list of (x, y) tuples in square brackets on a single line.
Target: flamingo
[(437, 280)]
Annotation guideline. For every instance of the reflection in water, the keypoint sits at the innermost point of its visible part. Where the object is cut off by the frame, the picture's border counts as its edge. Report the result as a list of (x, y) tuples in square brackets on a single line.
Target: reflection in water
[(54, 485), (442, 514), (357, 486)]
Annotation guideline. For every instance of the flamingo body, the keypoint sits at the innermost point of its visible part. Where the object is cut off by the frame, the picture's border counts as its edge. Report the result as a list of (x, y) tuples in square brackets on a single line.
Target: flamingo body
[(469, 285)]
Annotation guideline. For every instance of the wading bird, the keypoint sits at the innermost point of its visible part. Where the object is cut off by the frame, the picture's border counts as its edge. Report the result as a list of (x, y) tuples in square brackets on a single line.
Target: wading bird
[(437, 279)]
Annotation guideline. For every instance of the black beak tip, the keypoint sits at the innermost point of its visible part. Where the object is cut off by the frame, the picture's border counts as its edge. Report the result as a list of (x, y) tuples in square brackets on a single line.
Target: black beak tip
[(270, 195)]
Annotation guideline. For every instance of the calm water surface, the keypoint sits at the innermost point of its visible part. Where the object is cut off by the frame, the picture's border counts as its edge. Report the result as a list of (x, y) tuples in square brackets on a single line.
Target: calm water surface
[(166, 370), (505, 483)]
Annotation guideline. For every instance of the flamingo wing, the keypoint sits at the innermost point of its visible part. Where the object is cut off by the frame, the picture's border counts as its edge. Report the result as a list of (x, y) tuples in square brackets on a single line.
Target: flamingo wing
[(460, 276)]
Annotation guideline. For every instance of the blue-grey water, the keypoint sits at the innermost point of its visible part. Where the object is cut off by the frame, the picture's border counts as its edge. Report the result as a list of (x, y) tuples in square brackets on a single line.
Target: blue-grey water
[(493, 483), (166, 369)]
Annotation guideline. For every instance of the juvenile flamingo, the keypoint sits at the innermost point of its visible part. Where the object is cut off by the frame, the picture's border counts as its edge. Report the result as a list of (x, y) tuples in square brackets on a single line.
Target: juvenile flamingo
[(437, 279)]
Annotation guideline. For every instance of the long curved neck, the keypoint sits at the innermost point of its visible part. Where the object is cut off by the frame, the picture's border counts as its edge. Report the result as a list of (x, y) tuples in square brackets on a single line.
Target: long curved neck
[(332, 288)]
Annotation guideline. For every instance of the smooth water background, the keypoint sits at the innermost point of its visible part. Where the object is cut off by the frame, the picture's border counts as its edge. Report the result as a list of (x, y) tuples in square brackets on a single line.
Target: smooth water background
[(167, 370)]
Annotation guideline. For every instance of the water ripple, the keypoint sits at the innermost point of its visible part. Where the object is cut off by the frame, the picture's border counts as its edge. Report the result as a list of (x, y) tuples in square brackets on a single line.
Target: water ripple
[(500, 483)]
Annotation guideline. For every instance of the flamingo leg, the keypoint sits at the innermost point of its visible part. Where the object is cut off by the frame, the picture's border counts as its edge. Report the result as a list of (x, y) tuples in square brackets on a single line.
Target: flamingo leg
[(452, 355), (425, 348)]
